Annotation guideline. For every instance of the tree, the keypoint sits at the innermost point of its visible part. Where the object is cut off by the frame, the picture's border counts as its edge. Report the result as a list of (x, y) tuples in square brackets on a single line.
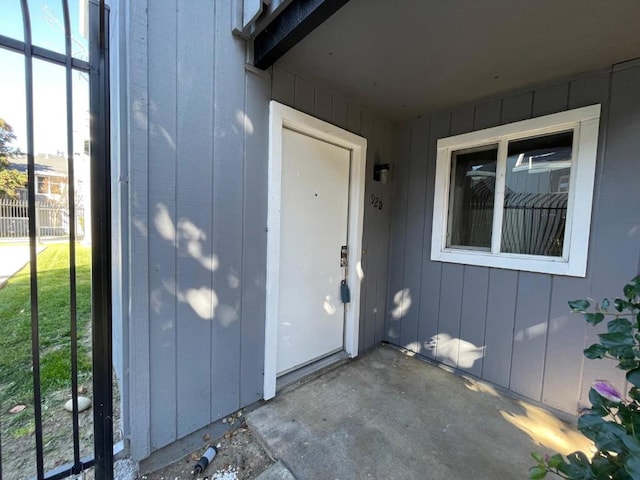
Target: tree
[(10, 178)]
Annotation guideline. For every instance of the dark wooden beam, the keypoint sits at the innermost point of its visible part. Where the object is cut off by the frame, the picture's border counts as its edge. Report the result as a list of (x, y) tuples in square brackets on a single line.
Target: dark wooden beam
[(297, 21)]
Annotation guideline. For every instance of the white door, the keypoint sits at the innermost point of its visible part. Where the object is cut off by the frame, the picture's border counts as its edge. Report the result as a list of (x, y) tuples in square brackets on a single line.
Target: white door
[(314, 218)]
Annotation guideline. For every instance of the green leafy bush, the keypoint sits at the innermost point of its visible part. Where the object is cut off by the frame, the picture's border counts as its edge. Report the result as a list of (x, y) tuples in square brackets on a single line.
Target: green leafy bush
[(10, 181), (613, 422)]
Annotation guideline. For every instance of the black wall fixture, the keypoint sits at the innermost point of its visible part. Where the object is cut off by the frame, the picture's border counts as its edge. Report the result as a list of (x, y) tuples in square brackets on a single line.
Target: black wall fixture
[(381, 172)]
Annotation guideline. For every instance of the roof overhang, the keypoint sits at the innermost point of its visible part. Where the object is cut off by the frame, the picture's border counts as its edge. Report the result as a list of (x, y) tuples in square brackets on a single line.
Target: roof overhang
[(287, 29), (408, 57)]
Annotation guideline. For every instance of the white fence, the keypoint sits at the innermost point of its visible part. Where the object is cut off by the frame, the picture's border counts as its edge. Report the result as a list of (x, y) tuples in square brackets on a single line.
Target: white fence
[(52, 219)]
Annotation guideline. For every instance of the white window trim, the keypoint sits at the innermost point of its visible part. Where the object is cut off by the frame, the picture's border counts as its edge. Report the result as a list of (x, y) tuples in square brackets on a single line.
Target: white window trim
[(585, 122)]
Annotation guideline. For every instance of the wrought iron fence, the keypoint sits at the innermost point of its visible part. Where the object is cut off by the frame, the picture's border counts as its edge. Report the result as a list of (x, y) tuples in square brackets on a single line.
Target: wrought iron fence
[(42, 219), (534, 224)]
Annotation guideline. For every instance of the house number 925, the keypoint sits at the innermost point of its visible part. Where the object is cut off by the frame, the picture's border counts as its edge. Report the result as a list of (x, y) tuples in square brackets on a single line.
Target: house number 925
[(376, 202)]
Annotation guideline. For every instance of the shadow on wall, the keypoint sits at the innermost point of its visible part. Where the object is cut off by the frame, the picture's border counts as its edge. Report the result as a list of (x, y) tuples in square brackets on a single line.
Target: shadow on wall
[(540, 329), (401, 306), (191, 243), (446, 349), (456, 351), (442, 347)]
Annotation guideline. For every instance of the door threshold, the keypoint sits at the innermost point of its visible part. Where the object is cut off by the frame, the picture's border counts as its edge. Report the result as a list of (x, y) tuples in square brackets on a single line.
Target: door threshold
[(312, 370)]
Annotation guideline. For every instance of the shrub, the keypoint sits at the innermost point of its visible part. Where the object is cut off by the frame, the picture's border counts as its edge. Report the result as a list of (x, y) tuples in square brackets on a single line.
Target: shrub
[(613, 422)]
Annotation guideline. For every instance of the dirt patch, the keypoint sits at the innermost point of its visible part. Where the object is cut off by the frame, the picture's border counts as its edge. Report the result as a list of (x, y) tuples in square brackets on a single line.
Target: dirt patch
[(18, 444), (240, 457)]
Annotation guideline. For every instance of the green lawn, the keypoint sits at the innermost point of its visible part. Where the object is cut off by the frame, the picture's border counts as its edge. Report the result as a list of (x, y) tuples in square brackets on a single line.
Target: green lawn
[(16, 378)]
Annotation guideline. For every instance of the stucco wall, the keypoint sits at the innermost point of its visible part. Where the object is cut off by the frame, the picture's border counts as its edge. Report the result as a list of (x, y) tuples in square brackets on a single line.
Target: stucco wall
[(533, 345)]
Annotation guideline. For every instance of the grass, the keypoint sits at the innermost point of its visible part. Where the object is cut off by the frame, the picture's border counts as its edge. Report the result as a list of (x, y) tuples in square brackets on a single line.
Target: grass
[(16, 376)]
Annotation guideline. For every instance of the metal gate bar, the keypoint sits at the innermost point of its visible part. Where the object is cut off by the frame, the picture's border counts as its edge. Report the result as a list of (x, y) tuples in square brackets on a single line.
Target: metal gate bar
[(42, 53), (101, 236), (97, 67), (31, 195), (71, 205)]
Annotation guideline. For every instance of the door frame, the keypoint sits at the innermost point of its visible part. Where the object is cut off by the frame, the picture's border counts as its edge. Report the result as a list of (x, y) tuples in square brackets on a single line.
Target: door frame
[(281, 117)]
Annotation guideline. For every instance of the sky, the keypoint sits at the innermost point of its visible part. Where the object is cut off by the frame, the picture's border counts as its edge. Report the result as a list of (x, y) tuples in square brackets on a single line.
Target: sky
[(49, 91)]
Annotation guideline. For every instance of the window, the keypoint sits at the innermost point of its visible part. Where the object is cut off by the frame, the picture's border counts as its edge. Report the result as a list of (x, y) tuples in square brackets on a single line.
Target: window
[(518, 196), (51, 185)]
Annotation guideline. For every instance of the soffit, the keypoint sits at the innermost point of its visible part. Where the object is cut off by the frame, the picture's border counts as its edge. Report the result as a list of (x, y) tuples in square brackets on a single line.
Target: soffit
[(407, 57)]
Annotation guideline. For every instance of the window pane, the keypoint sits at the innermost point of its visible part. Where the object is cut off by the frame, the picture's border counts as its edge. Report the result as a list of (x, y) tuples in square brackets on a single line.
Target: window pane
[(47, 24), (473, 179), (79, 18), (536, 195), (11, 20)]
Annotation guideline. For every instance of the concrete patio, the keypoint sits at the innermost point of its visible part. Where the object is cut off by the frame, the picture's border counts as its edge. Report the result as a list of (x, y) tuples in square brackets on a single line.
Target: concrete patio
[(387, 415)]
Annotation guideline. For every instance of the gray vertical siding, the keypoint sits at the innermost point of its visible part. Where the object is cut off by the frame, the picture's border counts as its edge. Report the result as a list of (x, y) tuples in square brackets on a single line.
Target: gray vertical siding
[(339, 111), (195, 134), (615, 237), (565, 342), (198, 140), (138, 389), (162, 205), (283, 88), (380, 134), (120, 218), (369, 246), (198, 151), (429, 299), (499, 326), (194, 209), (309, 97), (383, 191), (414, 222), (398, 295), (473, 318), (529, 336), (449, 313), (322, 104), (303, 95), (228, 143), (532, 344), (254, 262)]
